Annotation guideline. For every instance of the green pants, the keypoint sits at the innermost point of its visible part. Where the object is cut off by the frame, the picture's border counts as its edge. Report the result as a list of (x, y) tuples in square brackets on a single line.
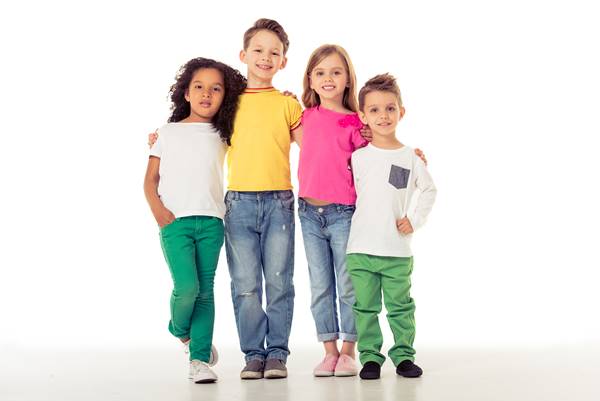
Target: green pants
[(191, 246), (372, 275)]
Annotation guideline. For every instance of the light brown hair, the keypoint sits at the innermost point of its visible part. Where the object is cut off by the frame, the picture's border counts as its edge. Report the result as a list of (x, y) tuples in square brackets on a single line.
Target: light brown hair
[(267, 25), (384, 83), (310, 98)]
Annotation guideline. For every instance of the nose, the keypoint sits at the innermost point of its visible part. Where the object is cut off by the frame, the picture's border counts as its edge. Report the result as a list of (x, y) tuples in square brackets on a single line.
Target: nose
[(206, 94)]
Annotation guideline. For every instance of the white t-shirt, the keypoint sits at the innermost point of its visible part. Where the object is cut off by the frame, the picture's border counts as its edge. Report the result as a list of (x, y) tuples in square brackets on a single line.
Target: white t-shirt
[(191, 169), (390, 184)]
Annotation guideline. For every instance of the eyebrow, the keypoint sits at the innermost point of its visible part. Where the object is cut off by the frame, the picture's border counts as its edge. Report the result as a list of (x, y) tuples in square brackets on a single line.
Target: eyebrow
[(333, 68), (200, 82), (259, 46)]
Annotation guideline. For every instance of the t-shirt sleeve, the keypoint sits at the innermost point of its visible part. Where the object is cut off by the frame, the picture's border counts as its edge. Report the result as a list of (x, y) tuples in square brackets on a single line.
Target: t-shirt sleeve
[(156, 149), (358, 141), (294, 111), (425, 184)]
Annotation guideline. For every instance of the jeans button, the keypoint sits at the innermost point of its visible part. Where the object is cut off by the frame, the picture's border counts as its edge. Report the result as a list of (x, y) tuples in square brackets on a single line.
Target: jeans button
[(320, 210)]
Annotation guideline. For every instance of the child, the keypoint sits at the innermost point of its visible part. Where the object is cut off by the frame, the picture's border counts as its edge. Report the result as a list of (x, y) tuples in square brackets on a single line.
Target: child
[(184, 188), (386, 174), (331, 132), (259, 222)]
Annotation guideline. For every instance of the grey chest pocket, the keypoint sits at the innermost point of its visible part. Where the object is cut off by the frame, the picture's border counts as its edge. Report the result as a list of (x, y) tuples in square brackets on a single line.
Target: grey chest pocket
[(399, 177)]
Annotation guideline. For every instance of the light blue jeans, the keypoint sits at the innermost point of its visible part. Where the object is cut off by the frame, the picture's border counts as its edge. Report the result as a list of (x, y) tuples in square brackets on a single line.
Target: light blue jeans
[(259, 241), (325, 230)]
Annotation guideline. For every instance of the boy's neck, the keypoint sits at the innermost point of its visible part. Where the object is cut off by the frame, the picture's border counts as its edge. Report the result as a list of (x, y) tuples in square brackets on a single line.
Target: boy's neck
[(386, 141), (256, 82)]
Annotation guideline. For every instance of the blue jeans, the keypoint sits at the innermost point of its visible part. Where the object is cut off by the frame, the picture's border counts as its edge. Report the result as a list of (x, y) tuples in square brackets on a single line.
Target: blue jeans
[(325, 230), (259, 240)]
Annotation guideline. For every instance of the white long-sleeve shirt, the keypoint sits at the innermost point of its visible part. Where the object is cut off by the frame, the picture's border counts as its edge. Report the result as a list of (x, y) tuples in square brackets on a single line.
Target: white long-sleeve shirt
[(390, 184)]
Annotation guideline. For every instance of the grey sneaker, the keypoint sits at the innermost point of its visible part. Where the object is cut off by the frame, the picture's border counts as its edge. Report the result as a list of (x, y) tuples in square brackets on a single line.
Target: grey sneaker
[(253, 370), (275, 369)]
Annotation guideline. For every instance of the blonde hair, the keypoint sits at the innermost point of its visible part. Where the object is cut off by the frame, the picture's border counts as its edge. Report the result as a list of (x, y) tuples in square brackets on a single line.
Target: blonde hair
[(310, 98)]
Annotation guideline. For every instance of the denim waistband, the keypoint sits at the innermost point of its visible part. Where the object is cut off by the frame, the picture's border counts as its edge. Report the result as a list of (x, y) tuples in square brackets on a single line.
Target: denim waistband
[(331, 208), (254, 195)]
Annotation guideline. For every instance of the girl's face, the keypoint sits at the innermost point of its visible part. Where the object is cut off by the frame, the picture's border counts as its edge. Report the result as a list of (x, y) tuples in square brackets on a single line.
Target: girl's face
[(205, 94), (329, 78)]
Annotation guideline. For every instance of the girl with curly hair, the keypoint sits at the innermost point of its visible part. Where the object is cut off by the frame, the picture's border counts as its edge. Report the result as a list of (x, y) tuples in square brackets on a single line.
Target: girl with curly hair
[(184, 188)]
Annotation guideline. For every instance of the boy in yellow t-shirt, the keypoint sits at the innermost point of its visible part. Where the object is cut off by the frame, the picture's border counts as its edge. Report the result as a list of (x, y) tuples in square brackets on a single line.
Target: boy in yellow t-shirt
[(259, 221)]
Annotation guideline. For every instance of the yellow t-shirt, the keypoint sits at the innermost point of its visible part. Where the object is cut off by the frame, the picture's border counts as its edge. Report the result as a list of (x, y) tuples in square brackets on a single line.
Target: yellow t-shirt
[(259, 155)]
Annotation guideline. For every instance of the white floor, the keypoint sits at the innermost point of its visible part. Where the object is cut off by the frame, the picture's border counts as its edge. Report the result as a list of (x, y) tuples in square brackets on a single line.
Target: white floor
[(566, 374)]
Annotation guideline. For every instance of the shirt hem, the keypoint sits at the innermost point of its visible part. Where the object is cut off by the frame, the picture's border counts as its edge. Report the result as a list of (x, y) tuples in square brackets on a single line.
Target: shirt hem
[(200, 213)]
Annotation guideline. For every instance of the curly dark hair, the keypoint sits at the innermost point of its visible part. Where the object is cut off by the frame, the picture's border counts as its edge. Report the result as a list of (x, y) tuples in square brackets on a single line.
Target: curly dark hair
[(235, 83)]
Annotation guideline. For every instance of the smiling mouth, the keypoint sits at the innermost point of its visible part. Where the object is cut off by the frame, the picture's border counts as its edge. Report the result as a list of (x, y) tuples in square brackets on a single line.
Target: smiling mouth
[(328, 87), (264, 67)]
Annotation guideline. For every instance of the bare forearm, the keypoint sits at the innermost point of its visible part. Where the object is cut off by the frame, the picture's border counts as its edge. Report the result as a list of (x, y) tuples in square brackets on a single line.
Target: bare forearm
[(151, 192)]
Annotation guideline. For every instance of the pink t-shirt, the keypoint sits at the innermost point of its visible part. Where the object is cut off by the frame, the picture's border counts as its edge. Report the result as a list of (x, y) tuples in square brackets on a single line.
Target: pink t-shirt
[(328, 140)]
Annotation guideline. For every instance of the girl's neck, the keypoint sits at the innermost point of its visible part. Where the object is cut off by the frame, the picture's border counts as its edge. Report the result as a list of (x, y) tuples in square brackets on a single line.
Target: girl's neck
[(256, 82), (386, 142), (336, 105), (194, 118)]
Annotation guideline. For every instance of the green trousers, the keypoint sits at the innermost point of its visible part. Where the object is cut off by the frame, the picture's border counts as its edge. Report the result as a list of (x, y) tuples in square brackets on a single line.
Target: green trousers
[(372, 275), (191, 246)]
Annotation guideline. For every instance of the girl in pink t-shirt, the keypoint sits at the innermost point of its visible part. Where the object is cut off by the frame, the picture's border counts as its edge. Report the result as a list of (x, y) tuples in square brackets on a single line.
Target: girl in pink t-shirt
[(326, 200)]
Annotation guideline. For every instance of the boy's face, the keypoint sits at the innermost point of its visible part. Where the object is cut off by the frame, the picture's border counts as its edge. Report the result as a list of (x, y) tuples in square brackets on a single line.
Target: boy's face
[(381, 112), (329, 78), (264, 56), (205, 93)]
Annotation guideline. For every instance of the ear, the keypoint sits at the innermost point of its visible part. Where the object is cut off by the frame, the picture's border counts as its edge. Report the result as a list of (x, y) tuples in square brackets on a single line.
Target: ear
[(402, 111), (363, 117), (243, 56), (186, 95), (283, 63)]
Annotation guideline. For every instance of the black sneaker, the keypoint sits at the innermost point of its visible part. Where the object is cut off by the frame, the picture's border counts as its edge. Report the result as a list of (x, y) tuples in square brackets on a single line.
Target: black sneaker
[(370, 371), (408, 369)]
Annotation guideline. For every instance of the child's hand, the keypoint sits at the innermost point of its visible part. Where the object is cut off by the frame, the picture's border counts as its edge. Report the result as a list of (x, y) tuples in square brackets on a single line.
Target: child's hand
[(288, 93), (152, 138), (366, 133), (404, 226), (421, 155), (163, 216)]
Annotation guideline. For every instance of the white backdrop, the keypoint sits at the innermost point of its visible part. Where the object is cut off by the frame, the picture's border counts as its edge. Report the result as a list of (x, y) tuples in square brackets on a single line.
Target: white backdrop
[(502, 96)]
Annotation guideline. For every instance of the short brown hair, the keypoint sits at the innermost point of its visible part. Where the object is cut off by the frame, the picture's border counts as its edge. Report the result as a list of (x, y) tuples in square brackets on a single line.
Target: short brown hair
[(267, 25), (382, 82)]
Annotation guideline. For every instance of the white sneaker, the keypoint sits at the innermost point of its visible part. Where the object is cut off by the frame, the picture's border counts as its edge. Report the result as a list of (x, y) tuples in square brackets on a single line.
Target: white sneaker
[(212, 359), (201, 373)]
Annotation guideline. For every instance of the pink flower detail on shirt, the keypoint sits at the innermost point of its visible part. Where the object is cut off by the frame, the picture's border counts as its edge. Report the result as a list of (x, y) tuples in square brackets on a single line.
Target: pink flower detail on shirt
[(350, 120)]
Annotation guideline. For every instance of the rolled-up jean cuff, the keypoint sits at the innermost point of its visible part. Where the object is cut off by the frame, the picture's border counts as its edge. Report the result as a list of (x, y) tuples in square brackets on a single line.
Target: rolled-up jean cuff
[(254, 357), (351, 338), (278, 355), (327, 337)]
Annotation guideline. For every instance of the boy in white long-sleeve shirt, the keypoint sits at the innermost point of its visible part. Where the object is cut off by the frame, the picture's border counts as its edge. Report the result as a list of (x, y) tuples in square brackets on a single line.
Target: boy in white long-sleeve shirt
[(386, 175)]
